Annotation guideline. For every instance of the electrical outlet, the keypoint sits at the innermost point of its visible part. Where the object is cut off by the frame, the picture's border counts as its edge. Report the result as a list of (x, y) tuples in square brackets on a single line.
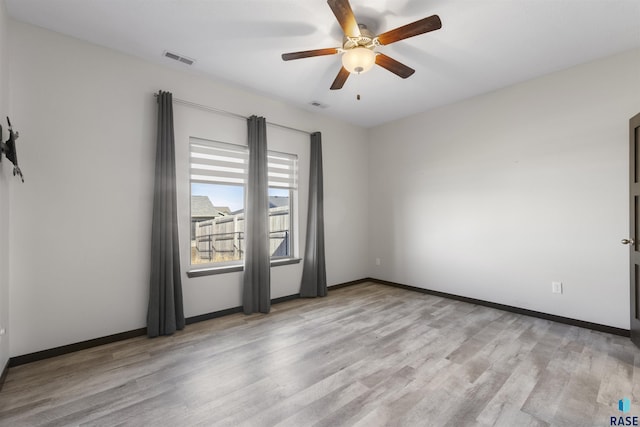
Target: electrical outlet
[(377, 261), (556, 287)]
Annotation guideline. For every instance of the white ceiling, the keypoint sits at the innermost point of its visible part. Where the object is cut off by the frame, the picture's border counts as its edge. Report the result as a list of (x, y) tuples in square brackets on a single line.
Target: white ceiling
[(483, 44)]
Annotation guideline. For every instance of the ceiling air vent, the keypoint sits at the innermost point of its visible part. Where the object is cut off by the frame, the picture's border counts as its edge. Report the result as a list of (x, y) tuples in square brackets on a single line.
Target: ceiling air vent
[(318, 104), (180, 58)]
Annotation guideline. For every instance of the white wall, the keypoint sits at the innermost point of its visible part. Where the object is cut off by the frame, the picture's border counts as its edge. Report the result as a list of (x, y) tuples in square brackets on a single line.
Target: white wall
[(6, 181), (497, 196), (81, 222)]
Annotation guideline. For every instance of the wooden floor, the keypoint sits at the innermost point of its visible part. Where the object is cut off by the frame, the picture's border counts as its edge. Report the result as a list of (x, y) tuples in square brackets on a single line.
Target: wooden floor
[(366, 355)]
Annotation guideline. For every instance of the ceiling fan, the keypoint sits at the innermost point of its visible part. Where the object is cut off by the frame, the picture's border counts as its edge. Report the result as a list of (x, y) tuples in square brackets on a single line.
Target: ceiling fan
[(358, 46)]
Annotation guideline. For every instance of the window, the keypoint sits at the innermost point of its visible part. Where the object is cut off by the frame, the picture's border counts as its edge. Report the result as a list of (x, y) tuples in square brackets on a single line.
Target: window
[(283, 177), (218, 174)]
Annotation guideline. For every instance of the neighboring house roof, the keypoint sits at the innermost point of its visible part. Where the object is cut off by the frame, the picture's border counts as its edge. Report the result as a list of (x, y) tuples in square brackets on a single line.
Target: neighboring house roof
[(274, 202), (278, 201), (223, 210), (201, 207)]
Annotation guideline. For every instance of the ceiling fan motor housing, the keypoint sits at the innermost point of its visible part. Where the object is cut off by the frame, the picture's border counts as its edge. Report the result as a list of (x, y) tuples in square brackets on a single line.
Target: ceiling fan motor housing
[(366, 39)]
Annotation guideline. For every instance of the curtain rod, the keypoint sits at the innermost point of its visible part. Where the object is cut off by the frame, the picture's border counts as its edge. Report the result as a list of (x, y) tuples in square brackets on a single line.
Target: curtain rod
[(229, 113)]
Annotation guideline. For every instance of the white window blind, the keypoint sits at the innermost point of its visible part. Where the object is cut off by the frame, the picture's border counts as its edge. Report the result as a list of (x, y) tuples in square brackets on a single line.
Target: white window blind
[(213, 162), (282, 170)]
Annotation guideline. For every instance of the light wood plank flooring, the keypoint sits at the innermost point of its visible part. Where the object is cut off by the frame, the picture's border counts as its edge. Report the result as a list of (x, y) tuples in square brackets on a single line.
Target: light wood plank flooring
[(367, 355)]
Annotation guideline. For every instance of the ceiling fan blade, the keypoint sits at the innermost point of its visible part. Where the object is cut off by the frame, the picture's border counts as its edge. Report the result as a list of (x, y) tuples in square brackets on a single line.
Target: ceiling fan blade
[(394, 66), (414, 29), (342, 10), (308, 53), (342, 76)]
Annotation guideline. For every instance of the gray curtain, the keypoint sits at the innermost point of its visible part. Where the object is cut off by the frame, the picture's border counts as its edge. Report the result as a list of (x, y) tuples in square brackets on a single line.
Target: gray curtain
[(165, 313), (256, 294), (314, 273)]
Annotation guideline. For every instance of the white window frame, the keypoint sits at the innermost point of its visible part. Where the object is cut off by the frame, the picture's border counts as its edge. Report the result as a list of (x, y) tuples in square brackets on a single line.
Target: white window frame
[(282, 174)]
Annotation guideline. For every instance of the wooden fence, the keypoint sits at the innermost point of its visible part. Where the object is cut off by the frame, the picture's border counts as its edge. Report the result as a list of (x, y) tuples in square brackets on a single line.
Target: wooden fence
[(222, 238)]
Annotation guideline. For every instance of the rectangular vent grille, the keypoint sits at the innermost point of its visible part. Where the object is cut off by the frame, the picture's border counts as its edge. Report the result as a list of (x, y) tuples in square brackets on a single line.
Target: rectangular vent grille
[(180, 58)]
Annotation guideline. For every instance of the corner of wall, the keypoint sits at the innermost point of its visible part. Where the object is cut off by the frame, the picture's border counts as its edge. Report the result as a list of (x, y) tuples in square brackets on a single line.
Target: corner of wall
[(497, 206), (5, 197)]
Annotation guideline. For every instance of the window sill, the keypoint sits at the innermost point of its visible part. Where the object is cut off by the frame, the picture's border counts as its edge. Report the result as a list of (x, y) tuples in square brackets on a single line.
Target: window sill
[(234, 268)]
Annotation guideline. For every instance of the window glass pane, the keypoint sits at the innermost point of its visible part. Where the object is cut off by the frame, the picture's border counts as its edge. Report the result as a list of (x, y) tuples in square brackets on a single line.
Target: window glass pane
[(217, 223), (280, 237)]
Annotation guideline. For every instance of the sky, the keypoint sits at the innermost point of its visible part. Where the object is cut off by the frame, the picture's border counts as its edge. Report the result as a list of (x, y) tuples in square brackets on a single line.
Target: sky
[(231, 196)]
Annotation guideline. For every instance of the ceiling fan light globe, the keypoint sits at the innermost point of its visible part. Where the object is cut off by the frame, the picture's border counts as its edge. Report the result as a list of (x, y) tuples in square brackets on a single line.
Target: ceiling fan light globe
[(358, 60)]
